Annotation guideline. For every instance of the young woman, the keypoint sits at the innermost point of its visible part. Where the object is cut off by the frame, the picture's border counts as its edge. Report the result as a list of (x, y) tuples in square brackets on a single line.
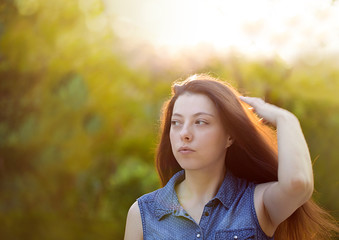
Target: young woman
[(226, 173)]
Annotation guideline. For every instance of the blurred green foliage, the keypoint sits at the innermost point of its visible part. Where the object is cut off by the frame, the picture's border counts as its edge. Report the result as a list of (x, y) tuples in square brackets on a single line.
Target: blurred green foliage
[(78, 126)]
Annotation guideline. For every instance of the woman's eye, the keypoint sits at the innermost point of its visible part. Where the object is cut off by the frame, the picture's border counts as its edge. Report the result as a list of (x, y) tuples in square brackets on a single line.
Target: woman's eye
[(200, 122), (175, 122)]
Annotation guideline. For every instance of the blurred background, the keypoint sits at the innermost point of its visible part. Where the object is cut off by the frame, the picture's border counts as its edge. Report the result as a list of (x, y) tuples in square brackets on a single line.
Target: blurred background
[(82, 83)]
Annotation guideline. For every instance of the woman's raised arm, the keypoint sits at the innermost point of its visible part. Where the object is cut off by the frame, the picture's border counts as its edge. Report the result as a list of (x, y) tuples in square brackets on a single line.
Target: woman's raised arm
[(295, 176)]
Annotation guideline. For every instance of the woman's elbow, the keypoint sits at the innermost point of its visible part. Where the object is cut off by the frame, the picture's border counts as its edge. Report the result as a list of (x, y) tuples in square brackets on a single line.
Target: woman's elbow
[(302, 187)]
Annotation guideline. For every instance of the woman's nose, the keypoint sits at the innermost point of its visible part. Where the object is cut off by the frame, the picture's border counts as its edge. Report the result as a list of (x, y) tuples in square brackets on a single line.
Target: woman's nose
[(186, 134)]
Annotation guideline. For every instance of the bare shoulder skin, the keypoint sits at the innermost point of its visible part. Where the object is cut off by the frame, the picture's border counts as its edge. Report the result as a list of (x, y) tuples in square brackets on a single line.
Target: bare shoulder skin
[(133, 229)]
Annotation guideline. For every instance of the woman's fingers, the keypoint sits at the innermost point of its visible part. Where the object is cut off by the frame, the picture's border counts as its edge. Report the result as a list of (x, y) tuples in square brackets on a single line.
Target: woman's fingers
[(253, 101), (265, 110)]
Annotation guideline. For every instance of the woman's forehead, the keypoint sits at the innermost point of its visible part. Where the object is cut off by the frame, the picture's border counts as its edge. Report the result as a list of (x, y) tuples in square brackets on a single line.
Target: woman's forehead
[(193, 103)]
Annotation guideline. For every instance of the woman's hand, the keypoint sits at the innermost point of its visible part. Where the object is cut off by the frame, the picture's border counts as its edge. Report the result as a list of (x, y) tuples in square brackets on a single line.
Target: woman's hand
[(268, 112)]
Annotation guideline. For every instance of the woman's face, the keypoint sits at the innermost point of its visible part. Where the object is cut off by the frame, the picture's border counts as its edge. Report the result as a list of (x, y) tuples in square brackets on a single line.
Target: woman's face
[(197, 136)]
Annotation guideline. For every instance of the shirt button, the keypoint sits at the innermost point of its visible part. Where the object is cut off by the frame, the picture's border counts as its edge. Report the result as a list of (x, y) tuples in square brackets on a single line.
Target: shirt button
[(198, 235), (206, 214), (235, 237)]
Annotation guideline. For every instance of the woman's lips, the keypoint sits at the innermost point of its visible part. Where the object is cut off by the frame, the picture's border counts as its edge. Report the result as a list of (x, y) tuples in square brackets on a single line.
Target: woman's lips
[(186, 150)]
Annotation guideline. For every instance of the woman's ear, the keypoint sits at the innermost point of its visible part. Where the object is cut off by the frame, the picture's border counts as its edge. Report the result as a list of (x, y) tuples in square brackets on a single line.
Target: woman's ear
[(229, 142)]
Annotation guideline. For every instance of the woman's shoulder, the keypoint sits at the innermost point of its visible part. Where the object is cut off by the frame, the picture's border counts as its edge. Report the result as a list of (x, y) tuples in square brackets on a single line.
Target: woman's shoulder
[(163, 194), (136, 215), (134, 223), (149, 197), (239, 183)]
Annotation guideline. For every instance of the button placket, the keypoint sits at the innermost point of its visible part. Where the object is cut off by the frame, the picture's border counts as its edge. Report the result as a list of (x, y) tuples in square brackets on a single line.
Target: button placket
[(205, 217), (206, 211)]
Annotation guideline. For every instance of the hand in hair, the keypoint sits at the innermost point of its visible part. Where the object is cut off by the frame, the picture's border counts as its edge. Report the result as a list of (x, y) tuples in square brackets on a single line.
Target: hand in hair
[(268, 112)]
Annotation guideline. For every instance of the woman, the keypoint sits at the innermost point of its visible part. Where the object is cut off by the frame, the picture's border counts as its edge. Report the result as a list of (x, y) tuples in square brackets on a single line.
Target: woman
[(222, 173)]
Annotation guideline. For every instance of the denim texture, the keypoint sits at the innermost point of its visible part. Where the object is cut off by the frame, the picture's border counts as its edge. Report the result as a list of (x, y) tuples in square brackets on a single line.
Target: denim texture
[(229, 215)]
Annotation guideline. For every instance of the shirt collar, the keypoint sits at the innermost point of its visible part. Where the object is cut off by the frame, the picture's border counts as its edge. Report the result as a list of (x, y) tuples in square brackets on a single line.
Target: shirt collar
[(166, 200), (228, 190)]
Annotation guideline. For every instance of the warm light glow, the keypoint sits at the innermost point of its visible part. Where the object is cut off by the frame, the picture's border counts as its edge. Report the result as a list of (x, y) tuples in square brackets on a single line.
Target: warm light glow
[(255, 28)]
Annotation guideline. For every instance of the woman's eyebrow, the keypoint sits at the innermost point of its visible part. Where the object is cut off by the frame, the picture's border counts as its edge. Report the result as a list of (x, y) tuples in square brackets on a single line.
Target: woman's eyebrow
[(194, 115)]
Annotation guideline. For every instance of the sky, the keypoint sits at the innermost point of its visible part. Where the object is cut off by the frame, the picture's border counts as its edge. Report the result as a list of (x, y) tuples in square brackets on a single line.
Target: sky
[(261, 28)]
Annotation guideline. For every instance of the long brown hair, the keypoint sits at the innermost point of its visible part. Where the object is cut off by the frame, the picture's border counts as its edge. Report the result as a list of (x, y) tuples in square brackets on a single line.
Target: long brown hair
[(253, 154)]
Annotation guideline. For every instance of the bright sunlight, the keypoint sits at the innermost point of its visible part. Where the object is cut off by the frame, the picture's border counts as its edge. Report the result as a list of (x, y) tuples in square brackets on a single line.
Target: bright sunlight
[(262, 28)]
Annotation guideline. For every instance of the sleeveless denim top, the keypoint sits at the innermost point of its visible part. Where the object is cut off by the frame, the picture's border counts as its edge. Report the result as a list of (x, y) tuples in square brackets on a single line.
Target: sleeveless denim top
[(229, 215)]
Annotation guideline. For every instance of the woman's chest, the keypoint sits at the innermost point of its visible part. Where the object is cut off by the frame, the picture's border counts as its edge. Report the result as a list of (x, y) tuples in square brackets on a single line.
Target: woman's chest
[(215, 223)]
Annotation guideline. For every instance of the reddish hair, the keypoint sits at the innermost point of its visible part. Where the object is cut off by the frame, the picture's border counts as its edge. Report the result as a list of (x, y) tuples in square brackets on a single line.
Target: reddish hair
[(253, 154)]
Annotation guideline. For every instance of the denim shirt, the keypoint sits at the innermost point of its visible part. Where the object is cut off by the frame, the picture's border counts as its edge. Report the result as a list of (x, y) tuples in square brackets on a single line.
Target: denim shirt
[(229, 215)]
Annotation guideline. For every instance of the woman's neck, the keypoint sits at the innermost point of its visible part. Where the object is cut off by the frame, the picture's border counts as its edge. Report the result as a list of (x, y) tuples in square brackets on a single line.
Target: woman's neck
[(200, 186)]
